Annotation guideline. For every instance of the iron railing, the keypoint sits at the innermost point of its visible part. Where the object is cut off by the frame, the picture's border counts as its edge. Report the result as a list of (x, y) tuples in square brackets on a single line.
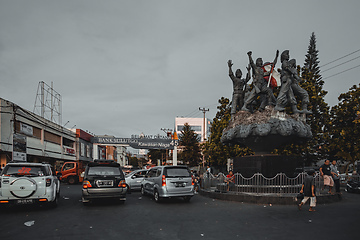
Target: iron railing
[(258, 184)]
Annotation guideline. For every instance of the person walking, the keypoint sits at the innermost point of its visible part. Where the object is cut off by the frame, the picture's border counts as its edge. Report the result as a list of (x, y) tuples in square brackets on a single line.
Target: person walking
[(308, 188)]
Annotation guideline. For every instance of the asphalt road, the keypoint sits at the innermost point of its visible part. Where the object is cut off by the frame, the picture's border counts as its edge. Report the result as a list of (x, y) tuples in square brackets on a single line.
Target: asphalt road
[(203, 218)]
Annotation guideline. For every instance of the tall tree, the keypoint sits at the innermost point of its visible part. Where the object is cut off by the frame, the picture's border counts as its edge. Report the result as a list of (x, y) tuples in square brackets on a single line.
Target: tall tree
[(157, 154), (215, 152), (319, 119), (312, 82), (189, 140), (345, 126)]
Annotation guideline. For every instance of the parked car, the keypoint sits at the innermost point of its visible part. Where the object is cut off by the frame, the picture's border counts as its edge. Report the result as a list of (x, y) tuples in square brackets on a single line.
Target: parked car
[(345, 177), (168, 181), (103, 179), (134, 179), (129, 168), (29, 183)]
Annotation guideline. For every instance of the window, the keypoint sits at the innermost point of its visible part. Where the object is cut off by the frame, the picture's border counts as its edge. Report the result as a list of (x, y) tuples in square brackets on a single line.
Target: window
[(194, 128), (68, 166), (104, 171), (82, 149), (177, 172), (50, 137), (27, 170)]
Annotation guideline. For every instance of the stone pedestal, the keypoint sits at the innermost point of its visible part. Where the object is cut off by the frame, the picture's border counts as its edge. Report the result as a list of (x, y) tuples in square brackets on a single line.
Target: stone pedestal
[(268, 164)]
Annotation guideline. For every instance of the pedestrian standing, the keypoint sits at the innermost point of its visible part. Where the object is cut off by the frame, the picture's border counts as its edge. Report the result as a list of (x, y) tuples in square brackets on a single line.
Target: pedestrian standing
[(208, 171), (308, 188), (325, 172)]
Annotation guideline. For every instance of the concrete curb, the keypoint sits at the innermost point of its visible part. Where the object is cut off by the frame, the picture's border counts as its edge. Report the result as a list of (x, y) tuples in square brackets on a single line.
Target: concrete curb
[(278, 199)]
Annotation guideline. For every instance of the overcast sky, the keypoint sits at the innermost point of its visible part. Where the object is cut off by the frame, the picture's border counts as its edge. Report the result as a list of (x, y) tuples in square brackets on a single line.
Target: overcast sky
[(127, 67)]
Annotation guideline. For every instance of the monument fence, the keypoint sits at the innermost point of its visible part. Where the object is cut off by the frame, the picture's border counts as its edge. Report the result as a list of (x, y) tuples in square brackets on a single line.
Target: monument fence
[(258, 184)]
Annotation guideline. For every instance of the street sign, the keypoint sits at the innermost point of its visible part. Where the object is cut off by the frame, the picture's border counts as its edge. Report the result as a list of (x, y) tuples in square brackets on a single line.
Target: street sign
[(138, 143)]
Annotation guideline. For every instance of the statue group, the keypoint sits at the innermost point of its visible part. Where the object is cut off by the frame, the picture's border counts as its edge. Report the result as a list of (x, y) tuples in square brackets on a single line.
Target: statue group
[(265, 79)]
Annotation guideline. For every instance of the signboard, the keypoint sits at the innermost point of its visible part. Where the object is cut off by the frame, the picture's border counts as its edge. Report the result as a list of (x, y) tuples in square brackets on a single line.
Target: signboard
[(26, 129), (69, 151), (19, 147), (138, 143)]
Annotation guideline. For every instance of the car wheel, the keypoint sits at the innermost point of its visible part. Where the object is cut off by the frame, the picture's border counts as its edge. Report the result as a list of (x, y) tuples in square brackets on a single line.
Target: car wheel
[(143, 191), (349, 190), (187, 199), (54, 203), (72, 180), (157, 196), (128, 191), (85, 201)]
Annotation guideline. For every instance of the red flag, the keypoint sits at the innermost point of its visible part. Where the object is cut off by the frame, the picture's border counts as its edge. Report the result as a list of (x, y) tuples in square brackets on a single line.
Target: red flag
[(275, 76)]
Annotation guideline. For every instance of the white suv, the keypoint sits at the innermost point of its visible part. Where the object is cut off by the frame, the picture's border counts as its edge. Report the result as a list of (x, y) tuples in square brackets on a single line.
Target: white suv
[(28, 183)]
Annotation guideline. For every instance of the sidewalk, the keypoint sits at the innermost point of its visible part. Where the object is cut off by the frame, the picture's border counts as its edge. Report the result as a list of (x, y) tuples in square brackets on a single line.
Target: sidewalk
[(264, 198)]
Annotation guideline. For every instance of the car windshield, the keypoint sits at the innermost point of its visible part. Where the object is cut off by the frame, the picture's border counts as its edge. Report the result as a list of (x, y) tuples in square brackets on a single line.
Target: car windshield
[(24, 170), (104, 171), (177, 172)]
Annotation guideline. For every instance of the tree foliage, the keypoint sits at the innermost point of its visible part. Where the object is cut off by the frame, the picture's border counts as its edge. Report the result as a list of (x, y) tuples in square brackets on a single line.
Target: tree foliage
[(215, 152), (189, 140), (156, 154), (344, 126), (312, 82)]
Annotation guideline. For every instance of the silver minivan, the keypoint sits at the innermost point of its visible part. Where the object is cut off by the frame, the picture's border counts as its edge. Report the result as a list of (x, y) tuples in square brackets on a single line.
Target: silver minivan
[(168, 181)]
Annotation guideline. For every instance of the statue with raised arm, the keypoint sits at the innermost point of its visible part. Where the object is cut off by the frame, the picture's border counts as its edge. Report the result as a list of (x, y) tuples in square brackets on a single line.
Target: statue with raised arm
[(238, 86), (260, 84)]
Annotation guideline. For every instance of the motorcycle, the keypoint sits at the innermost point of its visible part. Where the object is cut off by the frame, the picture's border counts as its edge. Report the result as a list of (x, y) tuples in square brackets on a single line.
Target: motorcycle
[(353, 186)]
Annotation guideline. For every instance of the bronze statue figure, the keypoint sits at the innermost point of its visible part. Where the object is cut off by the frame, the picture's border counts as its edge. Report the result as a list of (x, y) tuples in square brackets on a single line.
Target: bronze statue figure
[(295, 87), (260, 84), (290, 83), (238, 86)]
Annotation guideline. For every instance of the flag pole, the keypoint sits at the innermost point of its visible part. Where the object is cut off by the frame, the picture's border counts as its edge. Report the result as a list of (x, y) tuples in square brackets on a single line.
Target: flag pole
[(273, 66), (271, 72)]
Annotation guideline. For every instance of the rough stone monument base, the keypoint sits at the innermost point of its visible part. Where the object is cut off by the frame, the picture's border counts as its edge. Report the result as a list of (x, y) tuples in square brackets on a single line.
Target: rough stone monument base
[(268, 164)]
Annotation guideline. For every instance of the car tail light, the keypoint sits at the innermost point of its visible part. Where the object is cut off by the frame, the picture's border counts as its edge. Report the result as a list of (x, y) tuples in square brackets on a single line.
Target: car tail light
[(163, 181), (86, 184), (48, 182), (122, 184), (42, 200)]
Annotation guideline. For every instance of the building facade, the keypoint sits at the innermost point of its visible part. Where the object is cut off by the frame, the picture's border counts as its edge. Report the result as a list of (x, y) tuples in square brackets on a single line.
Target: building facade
[(25, 136), (200, 126)]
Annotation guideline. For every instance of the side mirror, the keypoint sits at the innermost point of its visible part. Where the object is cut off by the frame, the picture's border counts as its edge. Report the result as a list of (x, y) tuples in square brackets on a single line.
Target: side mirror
[(133, 177)]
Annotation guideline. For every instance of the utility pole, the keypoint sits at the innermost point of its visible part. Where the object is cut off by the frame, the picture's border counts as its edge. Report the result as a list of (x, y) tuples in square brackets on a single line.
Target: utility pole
[(204, 110), (167, 152)]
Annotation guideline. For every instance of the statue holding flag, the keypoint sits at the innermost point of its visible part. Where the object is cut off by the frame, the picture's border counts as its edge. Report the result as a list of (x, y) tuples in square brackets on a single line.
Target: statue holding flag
[(267, 128), (260, 84)]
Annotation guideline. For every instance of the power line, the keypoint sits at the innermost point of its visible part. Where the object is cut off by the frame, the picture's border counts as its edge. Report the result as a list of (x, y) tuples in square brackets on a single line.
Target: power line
[(341, 72), (340, 58), (340, 64)]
